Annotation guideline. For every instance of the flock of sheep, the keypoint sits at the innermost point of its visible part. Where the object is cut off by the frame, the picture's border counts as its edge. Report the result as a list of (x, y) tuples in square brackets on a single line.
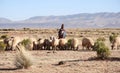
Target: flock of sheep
[(54, 43)]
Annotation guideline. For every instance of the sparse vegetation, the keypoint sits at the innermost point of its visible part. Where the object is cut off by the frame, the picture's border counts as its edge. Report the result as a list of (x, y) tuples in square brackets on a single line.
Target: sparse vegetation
[(26, 43), (2, 46), (69, 43), (101, 39), (102, 50), (23, 58), (4, 36), (25, 29), (97, 45)]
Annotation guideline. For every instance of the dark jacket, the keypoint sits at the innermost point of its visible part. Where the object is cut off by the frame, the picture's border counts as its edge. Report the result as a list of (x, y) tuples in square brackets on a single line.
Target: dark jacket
[(61, 33)]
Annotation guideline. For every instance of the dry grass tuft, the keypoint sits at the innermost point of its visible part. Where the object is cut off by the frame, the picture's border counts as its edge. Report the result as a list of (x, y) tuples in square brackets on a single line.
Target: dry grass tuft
[(23, 58)]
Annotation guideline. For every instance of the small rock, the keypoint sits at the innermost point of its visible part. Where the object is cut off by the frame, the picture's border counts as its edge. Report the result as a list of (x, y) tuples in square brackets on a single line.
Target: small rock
[(61, 63)]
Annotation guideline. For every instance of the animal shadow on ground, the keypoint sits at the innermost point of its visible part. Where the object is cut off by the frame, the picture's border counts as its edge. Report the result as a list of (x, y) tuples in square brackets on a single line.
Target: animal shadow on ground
[(107, 59), (89, 59), (64, 62), (9, 69)]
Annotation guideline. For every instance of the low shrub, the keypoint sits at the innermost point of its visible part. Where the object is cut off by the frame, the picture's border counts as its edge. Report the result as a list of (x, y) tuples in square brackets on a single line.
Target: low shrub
[(102, 50), (4, 36), (101, 39), (98, 44), (26, 43), (2, 46)]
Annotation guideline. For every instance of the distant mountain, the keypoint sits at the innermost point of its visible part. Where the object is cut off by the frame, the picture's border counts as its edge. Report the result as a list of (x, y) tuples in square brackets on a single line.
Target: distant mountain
[(76, 20), (4, 20), (82, 20)]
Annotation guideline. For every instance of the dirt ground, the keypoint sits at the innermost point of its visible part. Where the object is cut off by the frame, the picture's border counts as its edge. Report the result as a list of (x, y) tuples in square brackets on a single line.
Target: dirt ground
[(74, 62)]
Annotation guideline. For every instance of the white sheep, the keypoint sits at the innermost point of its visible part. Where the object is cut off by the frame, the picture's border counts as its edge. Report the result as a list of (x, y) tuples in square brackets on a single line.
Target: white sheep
[(116, 43), (74, 44), (55, 43), (63, 44), (33, 43), (11, 42), (40, 44)]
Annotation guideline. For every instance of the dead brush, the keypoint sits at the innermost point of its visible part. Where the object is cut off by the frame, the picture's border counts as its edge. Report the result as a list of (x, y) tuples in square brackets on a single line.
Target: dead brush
[(23, 59)]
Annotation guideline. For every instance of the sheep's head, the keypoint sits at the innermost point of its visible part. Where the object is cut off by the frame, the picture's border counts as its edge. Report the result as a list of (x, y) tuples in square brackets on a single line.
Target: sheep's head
[(9, 42)]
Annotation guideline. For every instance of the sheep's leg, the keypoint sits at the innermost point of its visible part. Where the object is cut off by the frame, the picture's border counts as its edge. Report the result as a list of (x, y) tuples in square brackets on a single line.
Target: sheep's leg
[(77, 48), (83, 47), (54, 49), (65, 47), (88, 48), (112, 47), (57, 47), (48, 47), (118, 47), (74, 48), (70, 48)]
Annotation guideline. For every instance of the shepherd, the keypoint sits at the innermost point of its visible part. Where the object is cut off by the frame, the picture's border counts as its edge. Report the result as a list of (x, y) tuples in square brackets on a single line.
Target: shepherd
[(61, 32)]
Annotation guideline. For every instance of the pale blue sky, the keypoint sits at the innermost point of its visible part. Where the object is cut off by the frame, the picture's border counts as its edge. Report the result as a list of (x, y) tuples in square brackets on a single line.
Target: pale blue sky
[(23, 9)]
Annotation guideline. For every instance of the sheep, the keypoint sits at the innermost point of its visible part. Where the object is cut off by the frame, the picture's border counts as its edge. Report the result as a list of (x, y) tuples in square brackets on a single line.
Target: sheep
[(55, 43), (74, 44), (8, 46), (30, 43), (33, 43), (87, 43), (116, 43), (40, 44), (62, 44), (47, 44), (12, 42), (16, 41)]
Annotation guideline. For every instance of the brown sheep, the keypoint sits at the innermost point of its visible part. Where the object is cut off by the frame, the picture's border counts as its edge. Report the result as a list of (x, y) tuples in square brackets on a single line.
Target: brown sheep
[(87, 43), (47, 44)]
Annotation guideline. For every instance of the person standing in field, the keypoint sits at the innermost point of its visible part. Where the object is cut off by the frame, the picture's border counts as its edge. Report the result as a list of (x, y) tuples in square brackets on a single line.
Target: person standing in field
[(61, 32)]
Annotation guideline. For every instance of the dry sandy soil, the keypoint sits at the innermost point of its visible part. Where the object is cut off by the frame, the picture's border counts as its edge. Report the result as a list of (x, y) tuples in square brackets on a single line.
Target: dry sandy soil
[(74, 61)]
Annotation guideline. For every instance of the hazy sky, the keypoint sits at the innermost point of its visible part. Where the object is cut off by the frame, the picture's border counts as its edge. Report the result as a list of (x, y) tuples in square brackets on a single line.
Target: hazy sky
[(23, 9)]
